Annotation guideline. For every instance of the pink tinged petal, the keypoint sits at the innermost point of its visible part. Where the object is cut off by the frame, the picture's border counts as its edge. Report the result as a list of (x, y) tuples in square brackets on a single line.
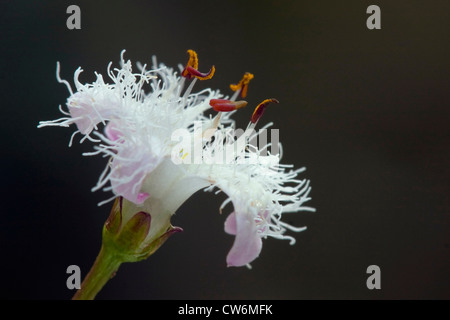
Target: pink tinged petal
[(142, 196), (83, 118), (89, 108), (112, 131), (128, 175), (247, 244), (230, 224)]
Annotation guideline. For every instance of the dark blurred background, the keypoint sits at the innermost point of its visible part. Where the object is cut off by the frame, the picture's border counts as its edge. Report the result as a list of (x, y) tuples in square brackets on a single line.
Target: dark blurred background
[(366, 111)]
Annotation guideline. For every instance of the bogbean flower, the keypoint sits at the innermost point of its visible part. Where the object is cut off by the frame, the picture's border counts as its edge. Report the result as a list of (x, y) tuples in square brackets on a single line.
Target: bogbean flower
[(133, 121)]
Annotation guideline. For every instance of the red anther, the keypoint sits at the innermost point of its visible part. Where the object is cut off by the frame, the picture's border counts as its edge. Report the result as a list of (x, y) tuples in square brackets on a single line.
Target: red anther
[(259, 110), (190, 72), (223, 105)]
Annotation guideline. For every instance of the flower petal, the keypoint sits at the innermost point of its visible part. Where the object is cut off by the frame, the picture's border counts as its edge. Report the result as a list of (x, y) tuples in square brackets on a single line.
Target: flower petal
[(112, 131), (92, 106), (129, 170), (247, 244), (230, 224)]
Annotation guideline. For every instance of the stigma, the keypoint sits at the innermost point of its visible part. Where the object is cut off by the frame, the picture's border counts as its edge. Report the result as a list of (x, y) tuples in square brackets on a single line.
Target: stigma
[(191, 69)]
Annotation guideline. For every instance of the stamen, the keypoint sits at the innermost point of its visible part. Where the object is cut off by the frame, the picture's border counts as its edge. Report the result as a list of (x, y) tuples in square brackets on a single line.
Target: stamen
[(199, 75), (243, 84), (193, 60), (191, 69), (259, 110), (223, 105)]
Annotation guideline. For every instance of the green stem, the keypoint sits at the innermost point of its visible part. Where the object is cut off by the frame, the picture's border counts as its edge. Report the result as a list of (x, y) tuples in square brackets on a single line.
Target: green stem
[(104, 268)]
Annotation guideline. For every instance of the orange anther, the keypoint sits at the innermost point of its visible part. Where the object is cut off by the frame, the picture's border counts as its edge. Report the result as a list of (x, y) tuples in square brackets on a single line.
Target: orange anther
[(243, 84), (191, 69)]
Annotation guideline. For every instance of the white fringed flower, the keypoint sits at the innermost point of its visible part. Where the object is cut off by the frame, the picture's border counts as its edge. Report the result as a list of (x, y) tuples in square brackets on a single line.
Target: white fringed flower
[(134, 127)]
